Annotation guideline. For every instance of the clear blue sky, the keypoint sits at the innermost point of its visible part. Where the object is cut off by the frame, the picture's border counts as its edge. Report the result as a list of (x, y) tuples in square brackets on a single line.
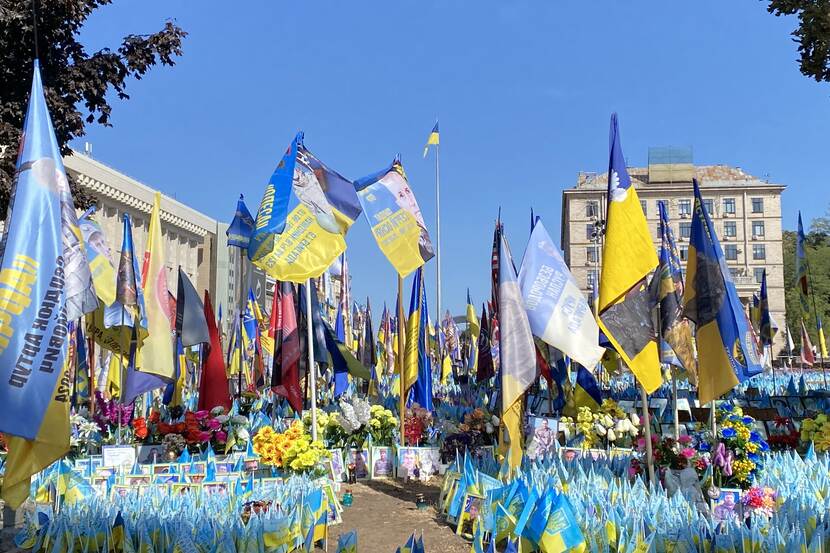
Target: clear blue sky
[(523, 89)]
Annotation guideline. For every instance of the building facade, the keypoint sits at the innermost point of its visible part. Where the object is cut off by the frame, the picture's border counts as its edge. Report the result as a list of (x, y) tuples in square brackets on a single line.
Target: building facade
[(191, 239), (745, 210)]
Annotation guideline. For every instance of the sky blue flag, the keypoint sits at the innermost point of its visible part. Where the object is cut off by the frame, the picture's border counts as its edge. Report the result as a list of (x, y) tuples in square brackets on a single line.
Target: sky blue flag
[(44, 276), (557, 310), (242, 227), (422, 389)]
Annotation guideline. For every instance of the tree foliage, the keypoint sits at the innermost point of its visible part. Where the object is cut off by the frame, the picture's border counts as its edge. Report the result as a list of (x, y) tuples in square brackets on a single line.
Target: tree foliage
[(77, 84), (817, 251), (812, 34)]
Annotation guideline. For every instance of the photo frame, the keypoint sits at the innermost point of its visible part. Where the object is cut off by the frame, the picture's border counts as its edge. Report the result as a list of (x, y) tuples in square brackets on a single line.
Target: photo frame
[(196, 477), (406, 462), (337, 465), (429, 461), (383, 462), (728, 506), (151, 454), (166, 478), (138, 479), (471, 511), (199, 467), (164, 468), (215, 488), (545, 430), (183, 488), (450, 481), (120, 490), (571, 453), (360, 459)]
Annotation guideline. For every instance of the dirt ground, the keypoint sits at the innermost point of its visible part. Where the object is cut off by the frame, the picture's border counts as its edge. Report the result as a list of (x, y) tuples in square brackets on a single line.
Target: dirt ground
[(384, 515)]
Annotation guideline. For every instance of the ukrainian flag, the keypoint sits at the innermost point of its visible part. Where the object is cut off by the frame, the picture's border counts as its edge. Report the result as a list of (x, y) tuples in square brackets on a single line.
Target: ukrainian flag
[(628, 256), (553, 525), (586, 393), (475, 329), (433, 139), (303, 219), (417, 364), (725, 346)]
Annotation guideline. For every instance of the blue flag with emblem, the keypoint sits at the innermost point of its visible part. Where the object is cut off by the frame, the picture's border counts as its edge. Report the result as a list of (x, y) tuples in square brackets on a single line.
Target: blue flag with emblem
[(242, 227), (725, 345)]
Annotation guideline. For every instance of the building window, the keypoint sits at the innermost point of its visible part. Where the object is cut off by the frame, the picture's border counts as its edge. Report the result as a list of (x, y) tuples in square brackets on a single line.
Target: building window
[(731, 252), (730, 229), (644, 205), (759, 251), (684, 253), (758, 274), (664, 204), (593, 254), (592, 208), (685, 207), (757, 205), (685, 230), (758, 228), (593, 279), (589, 232), (709, 205), (729, 206)]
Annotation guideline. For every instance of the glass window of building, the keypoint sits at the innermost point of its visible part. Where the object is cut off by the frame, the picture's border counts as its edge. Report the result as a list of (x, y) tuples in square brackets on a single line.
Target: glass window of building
[(685, 207), (589, 231), (684, 253), (709, 205), (757, 205), (685, 230), (757, 228), (644, 205), (731, 252), (729, 206), (592, 208), (593, 254), (730, 229), (759, 251), (758, 273), (593, 279)]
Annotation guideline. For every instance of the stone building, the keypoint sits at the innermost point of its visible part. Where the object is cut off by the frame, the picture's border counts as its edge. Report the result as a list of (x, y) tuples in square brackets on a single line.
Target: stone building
[(745, 209)]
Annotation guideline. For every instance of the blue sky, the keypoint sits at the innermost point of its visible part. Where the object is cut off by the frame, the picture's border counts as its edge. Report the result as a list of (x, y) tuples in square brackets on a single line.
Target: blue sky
[(523, 89)]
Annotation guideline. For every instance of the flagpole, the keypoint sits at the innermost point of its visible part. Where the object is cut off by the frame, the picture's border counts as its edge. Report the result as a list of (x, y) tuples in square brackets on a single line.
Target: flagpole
[(121, 378), (647, 430), (311, 375), (438, 232), (239, 315), (400, 360)]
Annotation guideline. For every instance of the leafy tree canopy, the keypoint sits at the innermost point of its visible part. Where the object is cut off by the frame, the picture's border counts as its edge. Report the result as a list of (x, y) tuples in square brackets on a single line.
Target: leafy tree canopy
[(817, 250), (77, 84), (812, 34)]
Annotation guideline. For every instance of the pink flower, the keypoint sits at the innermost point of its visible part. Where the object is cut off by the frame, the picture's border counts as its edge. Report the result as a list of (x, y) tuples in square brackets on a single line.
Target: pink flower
[(685, 440), (221, 436), (201, 415), (213, 424), (641, 443), (203, 436), (688, 452)]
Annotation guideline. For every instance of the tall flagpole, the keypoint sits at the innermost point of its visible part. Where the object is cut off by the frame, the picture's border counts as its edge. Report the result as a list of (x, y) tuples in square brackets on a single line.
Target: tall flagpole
[(438, 231), (311, 376), (400, 360)]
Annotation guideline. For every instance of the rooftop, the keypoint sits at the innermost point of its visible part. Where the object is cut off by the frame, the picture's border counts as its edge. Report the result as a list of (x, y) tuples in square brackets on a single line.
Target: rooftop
[(708, 175)]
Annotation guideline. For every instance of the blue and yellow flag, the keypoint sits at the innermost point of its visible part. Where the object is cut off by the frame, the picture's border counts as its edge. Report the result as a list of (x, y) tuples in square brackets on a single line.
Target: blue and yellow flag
[(44, 283), (553, 525), (417, 365), (628, 257), (586, 392), (303, 219), (242, 227), (725, 346), (475, 328), (434, 139), (395, 218), (764, 323), (100, 259)]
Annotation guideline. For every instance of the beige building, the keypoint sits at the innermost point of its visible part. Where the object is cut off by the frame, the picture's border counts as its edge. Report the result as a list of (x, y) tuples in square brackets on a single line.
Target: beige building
[(192, 240), (745, 210)]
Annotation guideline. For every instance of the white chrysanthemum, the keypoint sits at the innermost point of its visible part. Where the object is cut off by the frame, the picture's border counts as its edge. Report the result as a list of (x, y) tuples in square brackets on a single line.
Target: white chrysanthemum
[(611, 436), (242, 435)]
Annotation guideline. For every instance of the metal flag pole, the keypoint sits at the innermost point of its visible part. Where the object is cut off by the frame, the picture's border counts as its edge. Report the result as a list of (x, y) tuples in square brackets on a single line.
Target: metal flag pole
[(311, 377), (438, 231), (647, 430), (399, 360)]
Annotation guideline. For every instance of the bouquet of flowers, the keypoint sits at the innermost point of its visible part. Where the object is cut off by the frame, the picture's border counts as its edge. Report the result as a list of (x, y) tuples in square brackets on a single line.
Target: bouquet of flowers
[(110, 416), (350, 425), (816, 430), (759, 501), (481, 422), (382, 425), (783, 435), (292, 450), (609, 426), (233, 429), (84, 433), (669, 453), (417, 422), (738, 455)]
